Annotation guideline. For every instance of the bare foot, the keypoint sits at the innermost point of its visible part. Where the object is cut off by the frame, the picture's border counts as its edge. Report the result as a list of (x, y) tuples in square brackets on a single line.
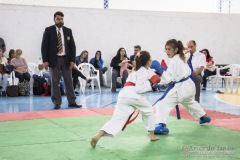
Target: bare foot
[(94, 142), (154, 138)]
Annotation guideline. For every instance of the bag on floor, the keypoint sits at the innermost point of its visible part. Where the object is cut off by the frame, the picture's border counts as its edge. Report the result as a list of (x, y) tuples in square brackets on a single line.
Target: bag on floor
[(24, 88), (38, 85), (12, 91)]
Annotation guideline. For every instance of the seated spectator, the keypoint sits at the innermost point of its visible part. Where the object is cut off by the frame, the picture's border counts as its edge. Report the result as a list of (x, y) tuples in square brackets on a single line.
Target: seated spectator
[(97, 62), (20, 67), (46, 74), (210, 67), (116, 63), (137, 49), (82, 58), (3, 75), (11, 55)]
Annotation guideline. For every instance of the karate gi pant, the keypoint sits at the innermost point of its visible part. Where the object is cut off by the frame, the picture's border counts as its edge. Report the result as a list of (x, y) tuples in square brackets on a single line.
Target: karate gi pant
[(183, 93), (124, 108)]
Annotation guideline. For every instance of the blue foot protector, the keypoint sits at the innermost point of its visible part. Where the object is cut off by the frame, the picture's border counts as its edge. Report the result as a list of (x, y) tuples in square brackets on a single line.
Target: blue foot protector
[(161, 129)]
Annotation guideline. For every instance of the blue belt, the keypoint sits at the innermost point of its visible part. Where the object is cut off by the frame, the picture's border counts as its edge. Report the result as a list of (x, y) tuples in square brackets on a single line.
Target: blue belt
[(170, 86)]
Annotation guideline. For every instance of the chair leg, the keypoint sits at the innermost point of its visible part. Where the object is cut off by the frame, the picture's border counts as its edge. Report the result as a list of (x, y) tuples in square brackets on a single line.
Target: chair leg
[(92, 84), (213, 83), (237, 85), (99, 86), (231, 84), (217, 84), (226, 81)]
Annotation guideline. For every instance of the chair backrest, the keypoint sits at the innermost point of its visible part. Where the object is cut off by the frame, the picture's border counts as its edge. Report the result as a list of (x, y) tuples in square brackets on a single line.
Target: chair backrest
[(87, 69), (232, 68), (32, 67), (90, 71)]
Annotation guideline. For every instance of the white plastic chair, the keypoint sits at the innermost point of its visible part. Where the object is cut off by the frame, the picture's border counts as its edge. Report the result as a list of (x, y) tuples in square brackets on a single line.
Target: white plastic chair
[(89, 71), (236, 74), (233, 69), (32, 67), (105, 78)]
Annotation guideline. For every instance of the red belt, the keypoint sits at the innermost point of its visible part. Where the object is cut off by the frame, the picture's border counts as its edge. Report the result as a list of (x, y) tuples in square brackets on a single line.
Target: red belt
[(129, 84)]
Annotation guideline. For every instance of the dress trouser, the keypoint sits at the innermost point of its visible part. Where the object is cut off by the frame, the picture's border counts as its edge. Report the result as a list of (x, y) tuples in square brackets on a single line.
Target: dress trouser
[(59, 70), (197, 81), (124, 108)]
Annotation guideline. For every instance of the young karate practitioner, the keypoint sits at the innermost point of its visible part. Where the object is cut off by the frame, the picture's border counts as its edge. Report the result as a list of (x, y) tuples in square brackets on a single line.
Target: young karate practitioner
[(183, 90), (130, 98)]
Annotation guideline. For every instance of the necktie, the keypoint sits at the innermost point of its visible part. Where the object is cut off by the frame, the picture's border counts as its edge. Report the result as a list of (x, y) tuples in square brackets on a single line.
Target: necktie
[(190, 65), (59, 46)]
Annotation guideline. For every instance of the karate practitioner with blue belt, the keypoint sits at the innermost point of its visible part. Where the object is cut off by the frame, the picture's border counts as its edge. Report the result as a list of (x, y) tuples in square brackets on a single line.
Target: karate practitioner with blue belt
[(181, 88)]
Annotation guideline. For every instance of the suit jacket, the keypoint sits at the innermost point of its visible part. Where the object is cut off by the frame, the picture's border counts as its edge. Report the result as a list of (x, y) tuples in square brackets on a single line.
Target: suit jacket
[(49, 46)]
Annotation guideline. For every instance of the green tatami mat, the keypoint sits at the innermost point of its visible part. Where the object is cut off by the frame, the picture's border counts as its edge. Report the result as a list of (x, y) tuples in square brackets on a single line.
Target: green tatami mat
[(68, 139)]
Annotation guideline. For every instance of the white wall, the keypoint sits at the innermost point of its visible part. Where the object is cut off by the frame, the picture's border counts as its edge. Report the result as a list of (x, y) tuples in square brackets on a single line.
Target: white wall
[(108, 30)]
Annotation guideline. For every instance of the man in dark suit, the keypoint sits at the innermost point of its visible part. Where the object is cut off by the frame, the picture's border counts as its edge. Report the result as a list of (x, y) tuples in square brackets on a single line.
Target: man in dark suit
[(58, 53)]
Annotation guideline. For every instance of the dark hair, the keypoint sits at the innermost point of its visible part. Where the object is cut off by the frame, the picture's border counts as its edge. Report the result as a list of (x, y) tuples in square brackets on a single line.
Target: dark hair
[(208, 54), (59, 13), (142, 59), (100, 54), (118, 52), (137, 46), (176, 44), (11, 52)]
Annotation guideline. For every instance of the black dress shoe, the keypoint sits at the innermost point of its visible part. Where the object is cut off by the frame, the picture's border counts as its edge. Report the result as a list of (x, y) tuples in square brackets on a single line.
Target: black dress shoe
[(76, 93), (75, 105), (57, 106)]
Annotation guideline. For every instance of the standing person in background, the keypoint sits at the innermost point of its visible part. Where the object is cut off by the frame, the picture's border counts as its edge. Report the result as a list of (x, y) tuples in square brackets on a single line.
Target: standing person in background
[(210, 67), (116, 64), (2, 45), (137, 49), (198, 61), (58, 53), (97, 62)]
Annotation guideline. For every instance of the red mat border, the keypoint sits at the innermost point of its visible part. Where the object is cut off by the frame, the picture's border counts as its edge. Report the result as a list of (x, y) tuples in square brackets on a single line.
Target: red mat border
[(225, 120)]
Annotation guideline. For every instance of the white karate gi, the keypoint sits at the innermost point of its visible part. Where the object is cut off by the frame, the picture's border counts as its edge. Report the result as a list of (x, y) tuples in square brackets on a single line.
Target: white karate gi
[(182, 92), (131, 98)]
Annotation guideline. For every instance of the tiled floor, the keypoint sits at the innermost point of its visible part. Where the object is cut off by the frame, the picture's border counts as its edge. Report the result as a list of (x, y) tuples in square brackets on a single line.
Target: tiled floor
[(105, 99)]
